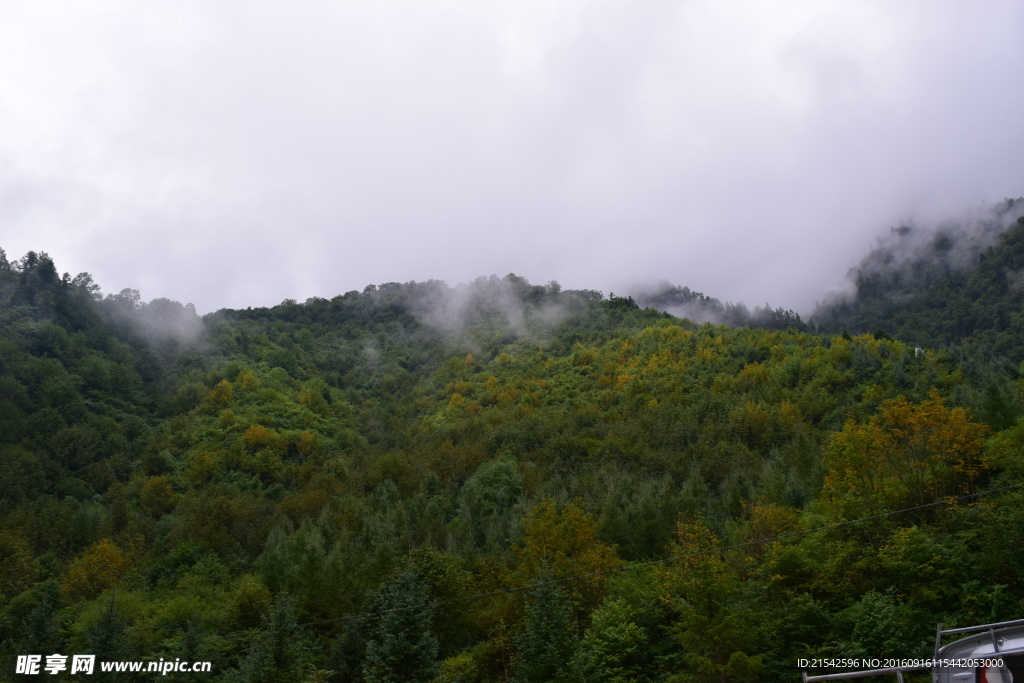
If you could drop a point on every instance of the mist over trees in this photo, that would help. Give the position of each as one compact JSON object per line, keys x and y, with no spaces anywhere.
{"x":509,"y":481}
{"x":682,"y":302}
{"x":956,"y":285}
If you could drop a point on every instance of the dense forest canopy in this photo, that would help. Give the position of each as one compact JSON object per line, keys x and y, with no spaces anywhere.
{"x":508,"y":481}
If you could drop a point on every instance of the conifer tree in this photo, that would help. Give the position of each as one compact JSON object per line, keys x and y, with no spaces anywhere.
{"x":547,"y":642}
{"x":108,"y":638}
{"x":403,"y":646}
{"x":281,"y":653}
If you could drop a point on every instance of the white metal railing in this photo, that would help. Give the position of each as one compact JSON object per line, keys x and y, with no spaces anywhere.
{"x":899,"y":671}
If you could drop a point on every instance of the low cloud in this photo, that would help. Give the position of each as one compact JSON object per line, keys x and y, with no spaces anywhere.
{"x":236,"y":154}
{"x":911,"y":254}
{"x":508,"y":308}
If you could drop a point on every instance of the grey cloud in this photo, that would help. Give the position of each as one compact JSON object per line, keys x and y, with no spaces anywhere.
{"x":238,"y":154}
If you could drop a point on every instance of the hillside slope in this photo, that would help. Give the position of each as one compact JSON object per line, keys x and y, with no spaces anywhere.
{"x":490,"y":482}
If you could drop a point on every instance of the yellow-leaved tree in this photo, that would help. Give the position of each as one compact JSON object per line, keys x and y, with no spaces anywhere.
{"x":563,"y":543}
{"x":97,"y":569}
{"x":905,"y":455}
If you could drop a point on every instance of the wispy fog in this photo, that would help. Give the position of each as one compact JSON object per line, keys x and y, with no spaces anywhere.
{"x":166,"y":319}
{"x":235,"y":154}
{"x":513,"y":302}
{"x":161,"y":320}
{"x":915,"y":251}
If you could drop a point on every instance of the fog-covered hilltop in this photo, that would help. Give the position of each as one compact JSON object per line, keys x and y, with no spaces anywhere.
{"x":961,"y":283}
{"x":683,"y":302}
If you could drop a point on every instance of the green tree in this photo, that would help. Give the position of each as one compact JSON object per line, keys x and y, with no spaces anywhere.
{"x":487,"y":499}
{"x":402,"y":646}
{"x":546,"y":644}
{"x":282,"y":652}
{"x":108,"y":637}
{"x":305,"y":564}
{"x":35,"y":623}
{"x":715,"y":626}
{"x":880,"y":623}
{"x":612,"y":649}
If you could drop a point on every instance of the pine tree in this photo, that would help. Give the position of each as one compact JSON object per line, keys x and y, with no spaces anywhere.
{"x":403,"y":646}
{"x":281,"y":653}
{"x":108,"y":639}
{"x":544,"y":648}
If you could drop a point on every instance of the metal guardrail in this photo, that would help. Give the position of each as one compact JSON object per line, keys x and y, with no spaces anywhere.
{"x":899,"y":671}
{"x":983,"y":627}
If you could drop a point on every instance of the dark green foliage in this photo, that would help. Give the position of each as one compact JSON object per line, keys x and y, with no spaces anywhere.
{"x":305,"y":564}
{"x":961,"y":288}
{"x":402,"y":646}
{"x":367,"y":487}
{"x":31,"y":621}
{"x":191,"y":645}
{"x":281,"y":652}
{"x":878,"y":622}
{"x":487,"y":503}
{"x":547,"y":642}
{"x":107,"y":637}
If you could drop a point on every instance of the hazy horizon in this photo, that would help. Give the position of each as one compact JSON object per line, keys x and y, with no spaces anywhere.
{"x":239,"y":154}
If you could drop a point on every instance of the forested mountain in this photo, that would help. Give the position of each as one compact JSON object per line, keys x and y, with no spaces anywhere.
{"x":958,"y":285}
{"x":497,"y":481}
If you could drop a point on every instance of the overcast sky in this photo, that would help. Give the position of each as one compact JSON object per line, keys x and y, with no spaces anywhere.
{"x":236,"y":153}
